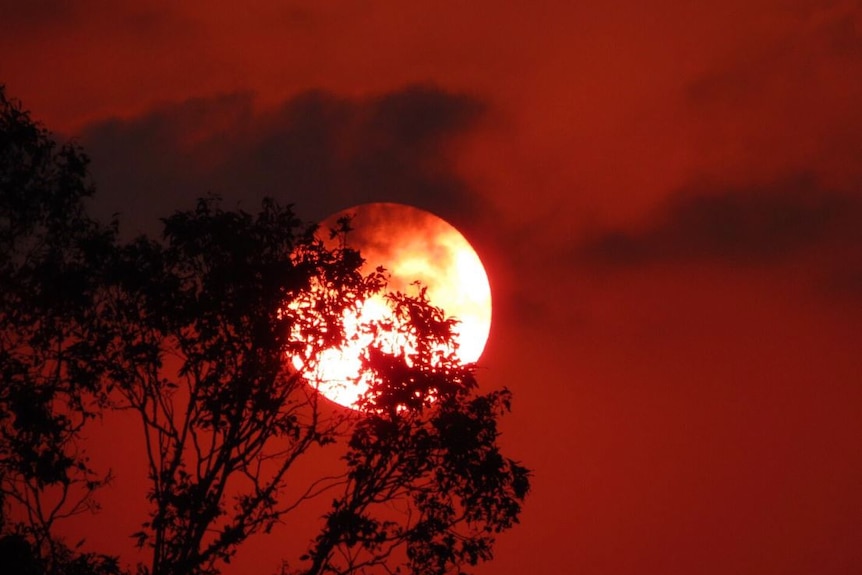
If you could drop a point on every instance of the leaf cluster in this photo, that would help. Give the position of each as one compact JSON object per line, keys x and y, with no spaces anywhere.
{"x":427,"y":488}
{"x":50,"y":339}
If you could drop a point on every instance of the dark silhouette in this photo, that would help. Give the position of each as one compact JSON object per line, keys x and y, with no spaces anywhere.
{"x":17,"y":556}
{"x":50,"y":342}
{"x":193,"y":333}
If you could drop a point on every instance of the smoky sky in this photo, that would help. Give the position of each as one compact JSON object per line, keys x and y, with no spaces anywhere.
{"x":317,"y":150}
{"x":795,"y":223}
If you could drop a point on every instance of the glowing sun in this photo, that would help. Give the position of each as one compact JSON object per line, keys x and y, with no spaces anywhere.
{"x":413,"y":246}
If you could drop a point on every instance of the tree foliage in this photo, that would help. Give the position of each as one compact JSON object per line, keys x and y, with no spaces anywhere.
{"x":50,"y":345}
{"x":193,"y":334}
{"x":203,"y":360}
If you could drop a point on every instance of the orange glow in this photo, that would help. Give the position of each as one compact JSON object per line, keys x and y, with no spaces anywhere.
{"x":413,"y":246}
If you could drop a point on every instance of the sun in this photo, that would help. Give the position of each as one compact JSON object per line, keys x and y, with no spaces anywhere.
{"x":415,"y":247}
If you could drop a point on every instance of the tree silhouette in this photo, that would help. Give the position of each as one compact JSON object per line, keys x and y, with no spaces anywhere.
{"x":193,"y":333}
{"x":50,"y":345}
{"x":202,"y":359}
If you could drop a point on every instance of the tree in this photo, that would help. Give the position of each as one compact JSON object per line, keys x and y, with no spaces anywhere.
{"x":49,"y":339}
{"x":202,"y":360}
{"x":193,"y":333}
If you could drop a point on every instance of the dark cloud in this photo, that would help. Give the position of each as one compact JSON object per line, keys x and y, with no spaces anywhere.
{"x":794,"y":225}
{"x":24,"y":18}
{"x":784,"y":103}
{"x":35,"y":11}
{"x":828,"y":36}
{"x":28,"y":18}
{"x":317,"y":150}
{"x":760,"y":225}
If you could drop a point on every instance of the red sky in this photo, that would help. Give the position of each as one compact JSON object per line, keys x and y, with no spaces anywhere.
{"x":668,"y":196}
